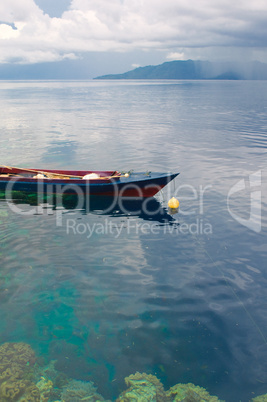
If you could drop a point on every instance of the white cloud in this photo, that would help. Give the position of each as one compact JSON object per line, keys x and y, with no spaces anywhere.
{"x":125,"y":25}
{"x":175,"y":56}
{"x":7,"y":32}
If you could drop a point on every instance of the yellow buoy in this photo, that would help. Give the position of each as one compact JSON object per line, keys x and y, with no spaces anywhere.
{"x":126,"y":175}
{"x":173,"y":203}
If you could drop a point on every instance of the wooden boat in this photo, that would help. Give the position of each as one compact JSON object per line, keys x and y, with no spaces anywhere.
{"x":106,"y":183}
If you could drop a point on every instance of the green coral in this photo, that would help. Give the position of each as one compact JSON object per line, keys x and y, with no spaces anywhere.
{"x":20,"y":390}
{"x":260,"y":398}
{"x":12,"y":372}
{"x":190,"y":393}
{"x":11,"y":390}
{"x":31,"y":394}
{"x":77,"y":391}
{"x":16,"y":360}
{"x":45,"y":387}
{"x":16,"y":355}
{"x":143,"y":388}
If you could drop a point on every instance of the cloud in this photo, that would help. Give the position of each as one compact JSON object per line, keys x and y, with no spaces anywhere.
{"x":175,"y":56}
{"x":29,"y":35}
{"x":7,"y":32}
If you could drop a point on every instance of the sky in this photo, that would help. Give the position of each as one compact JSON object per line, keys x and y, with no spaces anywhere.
{"x":96,"y":37}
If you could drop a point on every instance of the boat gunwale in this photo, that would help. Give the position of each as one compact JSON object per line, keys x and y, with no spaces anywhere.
{"x":105,"y":176}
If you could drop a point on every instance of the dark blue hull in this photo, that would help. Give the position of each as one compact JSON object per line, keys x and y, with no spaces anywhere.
{"x":139,"y":185}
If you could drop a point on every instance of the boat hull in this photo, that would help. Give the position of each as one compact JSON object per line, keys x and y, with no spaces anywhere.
{"x":137,"y":185}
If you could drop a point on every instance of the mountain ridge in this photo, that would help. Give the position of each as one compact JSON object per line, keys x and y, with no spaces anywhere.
{"x":190,"y":69}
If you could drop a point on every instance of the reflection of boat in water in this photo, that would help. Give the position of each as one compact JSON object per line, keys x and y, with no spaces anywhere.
{"x":104,"y":183}
{"x":144,"y":208}
{"x":147,"y":209}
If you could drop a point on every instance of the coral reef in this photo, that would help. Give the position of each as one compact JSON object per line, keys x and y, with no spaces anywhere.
{"x":31,"y":394}
{"x":47,"y":374}
{"x":260,"y":398}
{"x":20,"y":390}
{"x":24,"y":380}
{"x":45,"y":387}
{"x":143,"y":388}
{"x":16,"y":361}
{"x":190,"y":393}
{"x":77,"y":391}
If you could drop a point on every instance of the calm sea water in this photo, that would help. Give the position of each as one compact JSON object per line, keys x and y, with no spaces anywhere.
{"x":107,"y":293}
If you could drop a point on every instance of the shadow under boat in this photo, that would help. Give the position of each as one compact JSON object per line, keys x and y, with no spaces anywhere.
{"x":143,"y":208}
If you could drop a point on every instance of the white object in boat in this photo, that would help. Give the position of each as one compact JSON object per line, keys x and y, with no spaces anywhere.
{"x":91,"y":176}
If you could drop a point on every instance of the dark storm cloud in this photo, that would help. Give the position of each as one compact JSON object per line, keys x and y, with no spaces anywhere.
{"x":47,"y":31}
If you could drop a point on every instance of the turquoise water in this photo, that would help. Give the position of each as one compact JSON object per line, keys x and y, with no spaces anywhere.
{"x":106,"y":292}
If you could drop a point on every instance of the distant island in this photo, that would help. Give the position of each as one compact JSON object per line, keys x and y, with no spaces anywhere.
{"x":195,"y":70}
